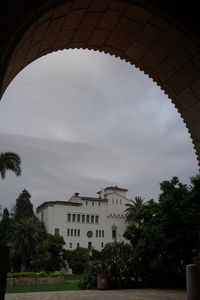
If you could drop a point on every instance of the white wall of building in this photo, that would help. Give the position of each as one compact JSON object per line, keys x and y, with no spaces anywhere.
{"x":95,"y":218}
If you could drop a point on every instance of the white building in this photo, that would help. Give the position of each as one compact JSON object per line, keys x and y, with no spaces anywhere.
{"x":86,"y":221}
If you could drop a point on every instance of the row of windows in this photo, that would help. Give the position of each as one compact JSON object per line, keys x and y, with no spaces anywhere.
{"x":89,"y":245}
{"x":79,"y":218}
{"x":117,"y":201}
{"x":73,"y":232}
{"x":76,"y":232}
{"x":93,"y":203}
{"x":100,"y":233}
{"x":116,"y":215}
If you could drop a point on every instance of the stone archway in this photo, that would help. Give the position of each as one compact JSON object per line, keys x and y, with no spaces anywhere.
{"x":145,"y":35}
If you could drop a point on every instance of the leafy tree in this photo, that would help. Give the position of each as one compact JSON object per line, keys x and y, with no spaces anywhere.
{"x":9,"y":161}
{"x":170,"y":233}
{"x":50,"y":254}
{"x":116,"y":262}
{"x":25,"y":235}
{"x":118,"y":258}
{"x":77,"y":259}
{"x":23,"y":207}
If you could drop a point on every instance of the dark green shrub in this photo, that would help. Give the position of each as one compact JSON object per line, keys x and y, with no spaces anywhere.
{"x":77,"y":259}
{"x":89,"y":278}
{"x":116,"y":261}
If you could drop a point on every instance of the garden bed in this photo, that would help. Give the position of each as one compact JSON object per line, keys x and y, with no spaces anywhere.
{"x":35,"y":280}
{"x":31,"y":278}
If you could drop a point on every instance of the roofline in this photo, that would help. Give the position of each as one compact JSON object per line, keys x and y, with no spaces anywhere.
{"x":113,"y":188}
{"x":94,"y":199}
{"x":52,"y":203}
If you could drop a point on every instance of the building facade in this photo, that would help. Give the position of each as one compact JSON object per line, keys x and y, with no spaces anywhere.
{"x":87,"y":222}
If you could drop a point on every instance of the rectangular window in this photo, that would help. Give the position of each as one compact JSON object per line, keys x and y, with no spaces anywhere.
{"x":57,"y":231}
{"x":101,"y":245}
{"x":92,"y":219}
{"x":78,"y":218}
{"x":74,"y":218}
{"x":78,"y":245}
{"x":88,"y":218}
{"x":99,"y":203}
{"x":86,"y":203}
{"x":74,"y":232}
{"x":99,"y":233}
{"x":70,"y":245}
{"x":89,"y":245}
{"x":92,"y":203}
{"x":78,"y":232}
{"x":114,"y":233}
{"x":102,"y":233}
{"x":96,"y":233}
{"x":83,"y":218}
{"x":69,"y":217}
{"x":68,"y":232}
{"x":120,"y":201}
{"x":116,"y":201}
{"x":71,"y":232}
{"x":96,"y":219}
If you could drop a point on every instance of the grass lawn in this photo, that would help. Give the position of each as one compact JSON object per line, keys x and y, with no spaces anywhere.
{"x":43,"y":288}
{"x":73,"y":277}
{"x":69,"y":286}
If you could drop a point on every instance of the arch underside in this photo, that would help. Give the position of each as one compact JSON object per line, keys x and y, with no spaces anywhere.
{"x":165,"y":53}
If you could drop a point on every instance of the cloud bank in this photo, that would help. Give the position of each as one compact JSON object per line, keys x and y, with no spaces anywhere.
{"x":82,"y":120}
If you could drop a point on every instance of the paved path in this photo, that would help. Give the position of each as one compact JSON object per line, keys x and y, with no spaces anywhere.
{"x":145,"y":294}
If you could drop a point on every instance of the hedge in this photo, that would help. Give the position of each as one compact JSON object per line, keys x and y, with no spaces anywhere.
{"x":35,"y":274}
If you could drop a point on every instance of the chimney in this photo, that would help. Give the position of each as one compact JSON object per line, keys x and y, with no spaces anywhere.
{"x":76,"y":194}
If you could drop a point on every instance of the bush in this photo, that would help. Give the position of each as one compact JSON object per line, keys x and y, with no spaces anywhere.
{"x":89,"y":278}
{"x":116,"y":261}
{"x":55,"y":273}
{"x":35,"y":274}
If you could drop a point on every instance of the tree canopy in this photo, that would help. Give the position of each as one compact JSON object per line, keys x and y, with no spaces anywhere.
{"x":23,"y":207}
{"x":31,"y":248}
{"x":169,"y":237}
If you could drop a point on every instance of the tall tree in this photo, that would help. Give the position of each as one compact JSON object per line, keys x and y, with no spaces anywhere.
{"x":9,"y":161}
{"x":23,"y":207}
{"x":5,"y":227}
{"x":50,"y":254}
{"x":26,"y":234}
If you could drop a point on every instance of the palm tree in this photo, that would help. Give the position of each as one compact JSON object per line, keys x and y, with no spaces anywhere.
{"x":25,"y":236}
{"x":9,"y":161}
{"x":131,"y":211}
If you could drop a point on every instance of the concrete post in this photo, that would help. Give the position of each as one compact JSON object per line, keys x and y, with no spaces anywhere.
{"x":4,"y":261}
{"x":193,"y":282}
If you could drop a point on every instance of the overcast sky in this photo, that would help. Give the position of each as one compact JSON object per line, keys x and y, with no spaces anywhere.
{"x":82,"y":120}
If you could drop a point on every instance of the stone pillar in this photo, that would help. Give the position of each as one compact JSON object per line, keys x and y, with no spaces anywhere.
{"x":4,"y":261}
{"x":193,"y":282}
